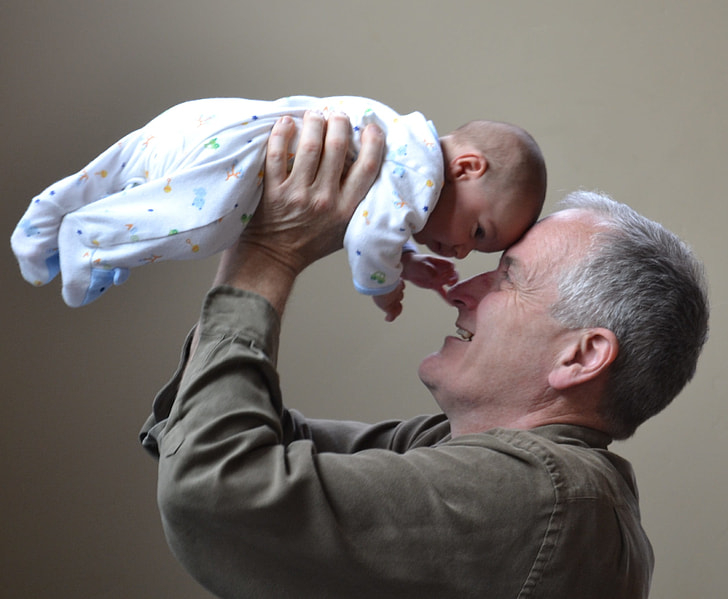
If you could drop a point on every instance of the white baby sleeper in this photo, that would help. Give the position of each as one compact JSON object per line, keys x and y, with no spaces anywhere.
{"x":185,"y":185}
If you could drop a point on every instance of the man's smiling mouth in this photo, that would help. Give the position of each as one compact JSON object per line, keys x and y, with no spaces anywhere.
{"x":464,"y":334}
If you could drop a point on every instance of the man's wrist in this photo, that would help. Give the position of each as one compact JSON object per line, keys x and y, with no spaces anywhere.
{"x":255,"y":268}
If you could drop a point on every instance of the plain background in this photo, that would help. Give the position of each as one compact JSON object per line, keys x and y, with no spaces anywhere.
{"x":624,"y":97}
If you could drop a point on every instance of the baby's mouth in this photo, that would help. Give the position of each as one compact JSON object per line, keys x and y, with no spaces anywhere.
{"x":442,"y":250}
{"x":464,"y":334}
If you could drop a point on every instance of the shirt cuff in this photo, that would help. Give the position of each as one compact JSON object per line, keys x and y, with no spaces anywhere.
{"x":231,"y":311}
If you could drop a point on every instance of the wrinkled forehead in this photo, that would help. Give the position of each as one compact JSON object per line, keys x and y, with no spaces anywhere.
{"x":574,"y":227}
{"x":557,"y":240}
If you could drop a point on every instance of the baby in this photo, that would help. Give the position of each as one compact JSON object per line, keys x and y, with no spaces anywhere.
{"x":186,"y":184}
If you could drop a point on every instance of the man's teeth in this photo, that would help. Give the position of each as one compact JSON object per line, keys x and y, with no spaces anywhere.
{"x":464,"y":334}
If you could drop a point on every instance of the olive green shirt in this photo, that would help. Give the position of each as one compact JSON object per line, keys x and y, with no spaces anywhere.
{"x":257,"y":501}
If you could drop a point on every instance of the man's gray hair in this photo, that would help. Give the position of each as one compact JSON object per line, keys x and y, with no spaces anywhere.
{"x":645,"y":285}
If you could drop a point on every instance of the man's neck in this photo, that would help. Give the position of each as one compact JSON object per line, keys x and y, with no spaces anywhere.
{"x":478,"y":423}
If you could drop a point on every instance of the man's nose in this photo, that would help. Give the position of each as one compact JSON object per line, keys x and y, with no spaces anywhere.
{"x":468,"y":293}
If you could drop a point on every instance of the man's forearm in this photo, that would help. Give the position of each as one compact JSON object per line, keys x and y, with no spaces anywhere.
{"x":252,"y":268}
{"x":249,"y":267}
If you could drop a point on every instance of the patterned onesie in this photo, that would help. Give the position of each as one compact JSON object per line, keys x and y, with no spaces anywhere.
{"x":185,"y":185}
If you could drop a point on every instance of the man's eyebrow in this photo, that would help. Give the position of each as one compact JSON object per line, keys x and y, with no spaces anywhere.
{"x":509,"y":261}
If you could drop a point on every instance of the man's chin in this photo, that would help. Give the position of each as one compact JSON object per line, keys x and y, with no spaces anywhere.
{"x":428,"y":369}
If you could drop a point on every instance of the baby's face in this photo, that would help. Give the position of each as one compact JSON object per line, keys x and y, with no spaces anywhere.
{"x":466,"y":219}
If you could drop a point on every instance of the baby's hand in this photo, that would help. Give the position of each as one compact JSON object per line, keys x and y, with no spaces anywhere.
{"x":391,"y":302}
{"x":429,"y":272}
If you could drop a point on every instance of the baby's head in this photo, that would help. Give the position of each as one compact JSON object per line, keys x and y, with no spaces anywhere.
{"x":495,"y":184}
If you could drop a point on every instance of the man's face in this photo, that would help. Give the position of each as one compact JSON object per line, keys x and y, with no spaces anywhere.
{"x":507,"y":340}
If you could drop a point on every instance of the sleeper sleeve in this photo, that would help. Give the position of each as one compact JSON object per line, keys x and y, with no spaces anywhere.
{"x":398,"y":204}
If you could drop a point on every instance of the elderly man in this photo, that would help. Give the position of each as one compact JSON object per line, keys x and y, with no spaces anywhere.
{"x":591,"y":324}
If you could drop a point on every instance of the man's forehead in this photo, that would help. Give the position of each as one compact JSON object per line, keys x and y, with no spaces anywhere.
{"x":548,"y":242}
{"x":574,"y":217}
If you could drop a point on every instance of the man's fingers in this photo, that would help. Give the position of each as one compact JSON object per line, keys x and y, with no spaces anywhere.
{"x":276,"y":162}
{"x":333,"y":159}
{"x":310,"y":146}
{"x":366,"y":167}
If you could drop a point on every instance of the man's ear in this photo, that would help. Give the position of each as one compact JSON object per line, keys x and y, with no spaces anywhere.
{"x":469,"y":165}
{"x":587,"y":356}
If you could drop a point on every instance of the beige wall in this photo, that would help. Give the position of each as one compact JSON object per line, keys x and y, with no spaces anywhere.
{"x":626,"y":97}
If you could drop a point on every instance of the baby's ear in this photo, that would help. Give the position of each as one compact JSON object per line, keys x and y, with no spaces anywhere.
{"x":469,"y":165}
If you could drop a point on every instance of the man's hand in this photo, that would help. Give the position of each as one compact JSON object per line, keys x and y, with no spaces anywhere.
{"x":303,"y":214}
